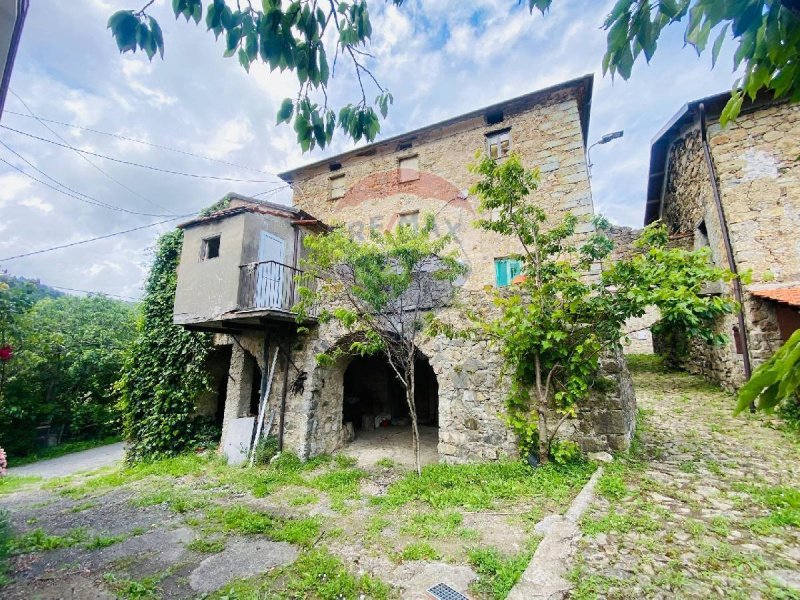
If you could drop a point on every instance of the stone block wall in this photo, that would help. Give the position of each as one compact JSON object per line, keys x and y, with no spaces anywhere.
{"x":759,"y":179}
{"x":607,"y":419}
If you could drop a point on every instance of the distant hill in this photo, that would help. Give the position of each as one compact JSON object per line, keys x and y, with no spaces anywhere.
{"x":33,"y":288}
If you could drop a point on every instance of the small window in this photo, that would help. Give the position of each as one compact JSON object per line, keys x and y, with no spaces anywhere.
{"x":409,"y":168}
{"x":701,"y":235}
{"x":505,"y":270}
{"x":498,"y":144}
{"x":338,"y":188}
{"x":210,"y":248}
{"x":409,"y":219}
{"x":375,"y":223}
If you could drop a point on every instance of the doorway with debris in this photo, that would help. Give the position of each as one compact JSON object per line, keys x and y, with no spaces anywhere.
{"x":375,"y":415}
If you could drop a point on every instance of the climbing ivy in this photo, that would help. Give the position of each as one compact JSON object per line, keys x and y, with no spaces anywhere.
{"x":164,"y":368}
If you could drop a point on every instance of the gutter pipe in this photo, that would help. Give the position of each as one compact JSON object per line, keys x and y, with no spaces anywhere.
{"x":726,"y":238}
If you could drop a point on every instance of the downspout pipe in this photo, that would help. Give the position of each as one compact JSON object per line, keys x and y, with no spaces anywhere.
{"x":726,"y":238}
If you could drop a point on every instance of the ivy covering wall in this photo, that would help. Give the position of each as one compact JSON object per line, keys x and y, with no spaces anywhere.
{"x":165,"y":369}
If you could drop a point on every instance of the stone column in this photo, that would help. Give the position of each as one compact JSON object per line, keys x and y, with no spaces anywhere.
{"x":240,"y":384}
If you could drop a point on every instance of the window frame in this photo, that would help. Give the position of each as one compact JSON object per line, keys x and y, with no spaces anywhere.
{"x":334,"y":191}
{"x":506,"y":268}
{"x":205,"y":246}
{"x":406,"y":214}
{"x":497,"y":138}
{"x":400,"y":160}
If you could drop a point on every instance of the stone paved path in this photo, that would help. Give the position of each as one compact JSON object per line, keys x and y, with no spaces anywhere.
{"x":76,"y":462}
{"x":708,"y":505}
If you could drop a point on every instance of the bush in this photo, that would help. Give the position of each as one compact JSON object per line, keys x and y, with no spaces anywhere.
{"x":267,"y":449}
{"x":564,"y":452}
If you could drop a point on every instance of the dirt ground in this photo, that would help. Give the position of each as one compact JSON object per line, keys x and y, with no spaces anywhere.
{"x":194,"y":528}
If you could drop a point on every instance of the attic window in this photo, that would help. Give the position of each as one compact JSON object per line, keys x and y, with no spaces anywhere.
{"x":408,"y":168}
{"x":337,"y":187}
{"x":494,"y":117}
{"x":404,"y":145}
{"x":335,"y":166}
{"x":210,"y":248}
{"x":498,"y":144}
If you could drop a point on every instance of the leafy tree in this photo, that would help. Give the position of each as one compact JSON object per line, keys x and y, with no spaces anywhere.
{"x":557,"y":319}
{"x":165,"y":367}
{"x":776,"y":381}
{"x":379,"y":291}
{"x":300,"y":35}
{"x":67,"y":355}
{"x":293,"y":35}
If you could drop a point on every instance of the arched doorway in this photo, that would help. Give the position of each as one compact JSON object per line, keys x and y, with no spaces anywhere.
{"x":374,"y":403}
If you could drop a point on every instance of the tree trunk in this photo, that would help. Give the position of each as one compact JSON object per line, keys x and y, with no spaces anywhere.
{"x":412,"y":411}
{"x":544,"y":445}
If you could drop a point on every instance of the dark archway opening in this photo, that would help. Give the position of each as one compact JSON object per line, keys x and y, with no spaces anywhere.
{"x":374,"y":396}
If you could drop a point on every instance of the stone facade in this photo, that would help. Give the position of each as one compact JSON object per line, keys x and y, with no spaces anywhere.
{"x":759,"y":181}
{"x":373,"y":188}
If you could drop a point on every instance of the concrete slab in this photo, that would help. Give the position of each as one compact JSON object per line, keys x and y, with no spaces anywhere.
{"x":241,"y":559}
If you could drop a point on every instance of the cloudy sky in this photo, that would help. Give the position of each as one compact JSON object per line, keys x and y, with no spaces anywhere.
{"x":440,"y":58}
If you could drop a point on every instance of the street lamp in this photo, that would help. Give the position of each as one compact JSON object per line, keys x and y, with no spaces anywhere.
{"x":609,"y":137}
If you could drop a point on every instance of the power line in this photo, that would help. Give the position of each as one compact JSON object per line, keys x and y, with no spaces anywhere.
{"x":71,"y":193}
{"x":108,"y":175}
{"x":59,"y":287}
{"x":134,"y":164}
{"x":145,"y":143}
{"x":94,"y":239}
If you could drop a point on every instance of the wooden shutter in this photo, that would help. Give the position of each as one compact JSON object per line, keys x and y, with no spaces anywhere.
{"x":501,"y":272}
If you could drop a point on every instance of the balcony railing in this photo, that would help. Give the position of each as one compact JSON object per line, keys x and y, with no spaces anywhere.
{"x":270,"y":285}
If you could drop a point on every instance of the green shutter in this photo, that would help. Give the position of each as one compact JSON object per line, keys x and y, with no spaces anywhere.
{"x":501,"y":272}
{"x":514,"y":268}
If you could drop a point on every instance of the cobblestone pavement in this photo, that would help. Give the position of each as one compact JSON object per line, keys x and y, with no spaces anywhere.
{"x":706,"y":504}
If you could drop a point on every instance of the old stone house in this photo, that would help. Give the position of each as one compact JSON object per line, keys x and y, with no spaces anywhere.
{"x":736,"y":190}
{"x":235,"y":278}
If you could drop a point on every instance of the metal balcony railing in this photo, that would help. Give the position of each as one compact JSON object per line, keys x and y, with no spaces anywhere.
{"x":270,"y":285}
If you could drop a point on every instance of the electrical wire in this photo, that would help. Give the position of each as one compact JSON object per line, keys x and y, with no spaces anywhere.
{"x":151,"y":144}
{"x":94,"y":166}
{"x":94,"y":239}
{"x":134,"y":164}
{"x":59,"y":287}
{"x":71,"y":193}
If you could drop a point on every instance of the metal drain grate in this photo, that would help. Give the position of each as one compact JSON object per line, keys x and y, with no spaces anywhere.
{"x":442,"y":591}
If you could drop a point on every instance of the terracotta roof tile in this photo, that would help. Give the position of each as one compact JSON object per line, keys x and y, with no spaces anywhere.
{"x":787,"y":295}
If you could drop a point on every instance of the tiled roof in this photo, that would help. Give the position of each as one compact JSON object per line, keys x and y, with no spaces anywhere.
{"x":787,"y":295}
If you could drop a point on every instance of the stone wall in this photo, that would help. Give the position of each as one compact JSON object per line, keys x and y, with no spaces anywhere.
{"x":607,"y":419}
{"x":759,"y":179}
{"x":547,"y":135}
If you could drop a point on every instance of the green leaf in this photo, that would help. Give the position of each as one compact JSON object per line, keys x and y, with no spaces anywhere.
{"x":124,"y":26}
{"x":158,"y":36}
{"x":718,"y":45}
{"x":285,"y":111}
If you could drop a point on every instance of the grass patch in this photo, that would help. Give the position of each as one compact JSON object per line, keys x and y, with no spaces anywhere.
{"x":419,"y":551}
{"x":40,"y":541}
{"x":206,"y":545}
{"x":178,"y":500}
{"x":315,"y":574}
{"x":134,"y":589}
{"x":621,"y":523}
{"x":481,"y":486}
{"x":61,"y":450}
{"x":433,"y":525}
{"x":14,"y":483}
{"x":783,"y":502}
{"x":386,"y":463}
{"x":612,"y":485}
{"x":240,"y":519}
{"x":6,"y":546}
{"x":498,"y":572}
{"x":304,"y":499}
{"x":104,"y":541}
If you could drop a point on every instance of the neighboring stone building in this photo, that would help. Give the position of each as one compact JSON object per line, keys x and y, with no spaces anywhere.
{"x":758,"y":180}
{"x":460,"y":387}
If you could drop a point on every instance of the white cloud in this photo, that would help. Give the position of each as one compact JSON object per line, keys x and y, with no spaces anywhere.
{"x":38,"y":204}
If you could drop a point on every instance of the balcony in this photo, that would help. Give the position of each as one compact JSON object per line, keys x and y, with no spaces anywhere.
{"x":271,"y":287}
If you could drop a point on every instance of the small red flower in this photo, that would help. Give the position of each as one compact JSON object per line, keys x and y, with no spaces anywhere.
{"x":6,"y":353}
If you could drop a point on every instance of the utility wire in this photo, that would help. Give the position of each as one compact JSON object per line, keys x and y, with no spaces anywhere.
{"x":58,"y":287}
{"x":94,"y":239}
{"x":134,"y":164}
{"x":94,"y":166}
{"x":151,"y":144}
{"x":70,"y":192}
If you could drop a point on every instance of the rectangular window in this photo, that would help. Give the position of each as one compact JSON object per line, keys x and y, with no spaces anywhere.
{"x":505,"y":270}
{"x":498,"y":144}
{"x":409,"y":219}
{"x":338,"y":188}
{"x":409,"y":168}
{"x":210,"y":248}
